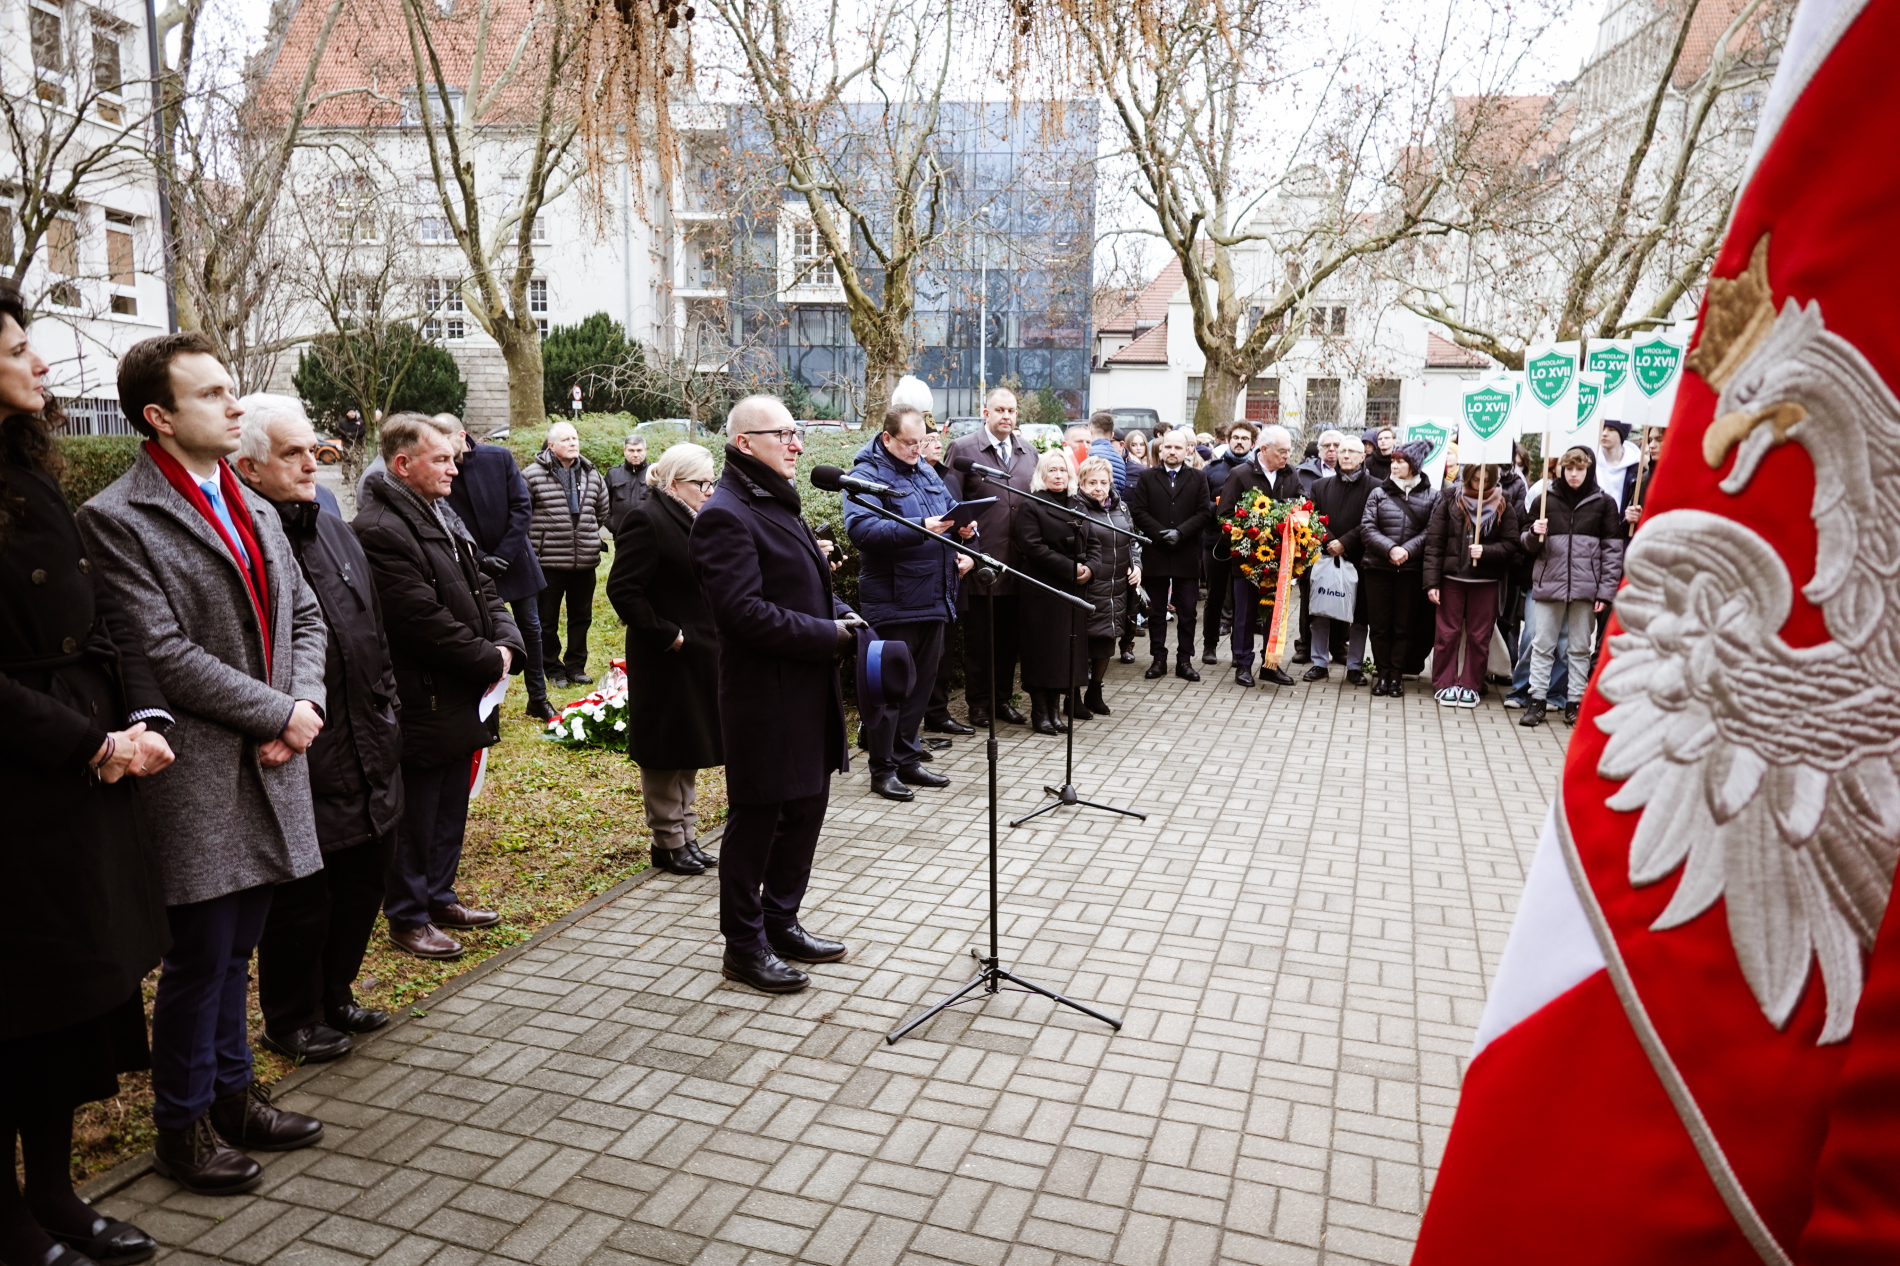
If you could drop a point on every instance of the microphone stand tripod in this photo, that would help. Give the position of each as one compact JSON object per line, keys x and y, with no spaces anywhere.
{"x":1066,"y":796}
{"x":990,"y":971}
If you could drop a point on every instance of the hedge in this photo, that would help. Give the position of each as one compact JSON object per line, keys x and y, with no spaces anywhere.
{"x":94,"y":461}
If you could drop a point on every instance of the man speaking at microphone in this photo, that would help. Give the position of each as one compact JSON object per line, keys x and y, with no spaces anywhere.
{"x":907,"y":586}
{"x":781,"y":630}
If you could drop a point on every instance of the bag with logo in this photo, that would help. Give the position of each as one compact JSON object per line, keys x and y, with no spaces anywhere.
{"x":1335,"y":587}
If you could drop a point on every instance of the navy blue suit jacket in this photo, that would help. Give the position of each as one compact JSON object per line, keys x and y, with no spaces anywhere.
{"x":492,"y":499}
{"x":781,"y":713}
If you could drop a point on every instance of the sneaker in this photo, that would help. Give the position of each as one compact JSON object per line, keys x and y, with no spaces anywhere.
{"x":1467,"y":698}
{"x":1515,"y":701}
{"x":1448,"y":697}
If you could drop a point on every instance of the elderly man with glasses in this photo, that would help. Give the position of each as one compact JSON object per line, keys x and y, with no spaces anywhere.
{"x":781,"y":713}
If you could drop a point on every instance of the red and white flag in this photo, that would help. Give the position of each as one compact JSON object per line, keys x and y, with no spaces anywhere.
{"x":1691,"y":1052}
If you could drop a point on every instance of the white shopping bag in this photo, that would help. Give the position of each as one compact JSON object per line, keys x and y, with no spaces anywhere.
{"x":1335,"y":587}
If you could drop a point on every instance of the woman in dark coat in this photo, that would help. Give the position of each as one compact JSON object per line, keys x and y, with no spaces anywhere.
{"x":1113,"y":583}
{"x":79,"y":711}
{"x":1471,"y":546}
{"x":1057,"y":550}
{"x":672,"y":654}
{"x":1392,"y":567}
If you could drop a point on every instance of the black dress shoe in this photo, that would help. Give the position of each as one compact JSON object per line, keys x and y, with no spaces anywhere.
{"x":1570,"y":713}
{"x":1355,"y":677}
{"x":1008,"y":713}
{"x":925,"y":756}
{"x":110,"y":1242}
{"x":677,"y":861}
{"x":763,"y":971}
{"x":918,"y":776}
{"x":700,"y":855}
{"x":202,"y":1163}
{"x":579,"y":679}
{"x":1243,"y":676}
{"x":1209,"y":657}
{"x":317,"y":1044}
{"x":891,"y":787}
{"x":556,"y":679}
{"x":1316,"y":673}
{"x":795,"y":945}
{"x":934,"y":745}
{"x":1157,"y":669}
{"x":1277,"y":676}
{"x":979,"y":720}
{"x":248,"y":1119}
{"x":540,"y":709}
{"x":1300,"y":656}
{"x":949,"y":725}
{"x":351,"y":1018}
{"x":1184,"y":669}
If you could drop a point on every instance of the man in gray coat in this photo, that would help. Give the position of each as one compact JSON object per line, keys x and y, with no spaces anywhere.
{"x":208,"y":584}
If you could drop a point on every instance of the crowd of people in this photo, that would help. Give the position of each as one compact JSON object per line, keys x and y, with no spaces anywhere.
{"x":239,"y":724}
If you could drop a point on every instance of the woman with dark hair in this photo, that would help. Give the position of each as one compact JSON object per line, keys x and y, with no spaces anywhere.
{"x":79,"y":711}
{"x":1057,"y":550}
{"x":1470,"y":547}
{"x":1392,"y":530}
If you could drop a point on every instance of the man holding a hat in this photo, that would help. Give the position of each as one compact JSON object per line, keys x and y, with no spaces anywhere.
{"x":908,"y":591}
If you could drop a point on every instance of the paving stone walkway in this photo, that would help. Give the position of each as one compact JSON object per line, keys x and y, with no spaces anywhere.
{"x":1298,"y":939}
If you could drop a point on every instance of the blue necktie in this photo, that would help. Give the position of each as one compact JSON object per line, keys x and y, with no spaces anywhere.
{"x":218,"y":508}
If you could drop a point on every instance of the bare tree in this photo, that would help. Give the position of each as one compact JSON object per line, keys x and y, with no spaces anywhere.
{"x":1604,"y":205}
{"x":497,"y":92}
{"x":1269,"y":184}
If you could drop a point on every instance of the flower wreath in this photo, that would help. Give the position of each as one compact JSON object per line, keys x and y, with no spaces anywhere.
{"x":1254,"y":531}
{"x":599,"y":719}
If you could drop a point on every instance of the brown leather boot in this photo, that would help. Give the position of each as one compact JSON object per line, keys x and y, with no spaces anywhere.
{"x":199,"y":1161}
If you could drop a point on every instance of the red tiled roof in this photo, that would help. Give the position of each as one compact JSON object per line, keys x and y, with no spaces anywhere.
{"x":1442,"y":353}
{"x":1150,"y":349}
{"x":1148,"y":307}
{"x":1517,"y":131}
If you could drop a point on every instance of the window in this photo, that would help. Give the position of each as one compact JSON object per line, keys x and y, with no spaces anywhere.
{"x":6,"y":236}
{"x":432,"y":329}
{"x":62,"y":246}
{"x":432,"y":229}
{"x":121,"y":264}
{"x":538,"y":297}
{"x":47,"y":27}
{"x":542,"y":326}
{"x":1322,"y":402}
{"x":1339,"y":320}
{"x":1327,"y":320}
{"x":1382,"y":402}
{"x":355,"y":197}
{"x":1193,"y":400}
{"x":540,"y":228}
{"x":810,"y":260}
{"x":1263,"y":401}
{"x":457,"y":328}
{"x":412,"y":108}
{"x":106,"y":73}
{"x":442,"y":296}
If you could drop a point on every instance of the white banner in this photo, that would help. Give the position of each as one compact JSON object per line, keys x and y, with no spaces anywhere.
{"x":1550,"y":378}
{"x":1611,"y":358}
{"x":1587,"y":429}
{"x":1655,"y":374}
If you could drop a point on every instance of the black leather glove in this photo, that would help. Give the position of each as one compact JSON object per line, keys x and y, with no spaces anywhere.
{"x":1170,"y":536}
{"x":493,"y":565}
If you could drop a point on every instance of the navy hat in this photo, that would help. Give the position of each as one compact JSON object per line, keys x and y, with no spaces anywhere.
{"x":886,"y":675}
{"x":1622,"y":429}
{"x":1370,"y":435}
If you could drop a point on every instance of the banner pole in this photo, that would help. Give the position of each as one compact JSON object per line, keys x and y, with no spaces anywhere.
{"x":1477,"y":520}
{"x":1543,"y":505}
{"x":1642,"y":469}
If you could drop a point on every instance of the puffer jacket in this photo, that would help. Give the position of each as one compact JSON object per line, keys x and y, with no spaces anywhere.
{"x":904,"y":578}
{"x":1395,"y":518}
{"x":562,"y":540}
{"x":1448,"y":541}
{"x":1108,"y":582}
{"x":1581,"y":560}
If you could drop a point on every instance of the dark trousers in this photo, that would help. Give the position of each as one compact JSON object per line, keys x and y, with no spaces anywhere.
{"x":576,"y":586}
{"x":1392,"y":602}
{"x":429,"y":842}
{"x":528,"y":620}
{"x":938,"y":710}
{"x":1185,"y":593}
{"x":316,"y":935}
{"x":1304,"y":640}
{"x":891,"y":738}
{"x":199,"y":1050}
{"x":976,"y":650}
{"x":764,"y":866}
{"x":1467,"y":617}
{"x":1219,"y":594}
{"x":1250,"y":620}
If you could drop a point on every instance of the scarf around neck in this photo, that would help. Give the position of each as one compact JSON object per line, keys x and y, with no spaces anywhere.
{"x":256,"y":579}
{"x":763,"y":477}
{"x":1486,"y":515}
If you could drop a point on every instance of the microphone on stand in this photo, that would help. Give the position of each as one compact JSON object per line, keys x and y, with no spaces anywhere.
{"x":831,"y":479}
{"x":969,"y":464}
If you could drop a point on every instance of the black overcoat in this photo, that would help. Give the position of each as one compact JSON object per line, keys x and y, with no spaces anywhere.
{"x":355,"y":774}
{"x":446,"y":627}
{"x":86,"y":914}
{"x":1184,"y":504}
{"x":781,"y":712}
{"x":492,"y":500}
{"x":626,"y":488}
{"x":1048,"y":544}
{"x":672,"y":695}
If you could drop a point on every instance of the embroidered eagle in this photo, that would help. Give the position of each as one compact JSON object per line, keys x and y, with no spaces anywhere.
{"x":1767,"y":771}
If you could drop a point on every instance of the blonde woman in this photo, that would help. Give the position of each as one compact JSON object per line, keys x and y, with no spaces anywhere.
{"x":672,"y":654}
{"x":1061,"y":551}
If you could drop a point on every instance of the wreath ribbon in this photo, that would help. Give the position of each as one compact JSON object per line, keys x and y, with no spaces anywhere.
{"x":1276,"y":630}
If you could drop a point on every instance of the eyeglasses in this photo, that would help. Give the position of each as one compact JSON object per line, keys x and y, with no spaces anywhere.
{"x":785,"y":434}
{"x":704,"y":485}
{"x":909,"y":446}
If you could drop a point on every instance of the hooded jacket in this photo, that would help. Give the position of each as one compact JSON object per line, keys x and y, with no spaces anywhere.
{"x":1581,"y":560}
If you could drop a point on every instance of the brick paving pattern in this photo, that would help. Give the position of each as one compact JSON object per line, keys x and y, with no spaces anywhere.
{"x":1298,"y":939}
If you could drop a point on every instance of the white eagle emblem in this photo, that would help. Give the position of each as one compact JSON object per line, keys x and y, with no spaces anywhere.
{"x":1770,"y":769}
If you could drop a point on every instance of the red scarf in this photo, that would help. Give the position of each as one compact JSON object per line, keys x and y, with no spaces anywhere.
{"x":255,"y":580}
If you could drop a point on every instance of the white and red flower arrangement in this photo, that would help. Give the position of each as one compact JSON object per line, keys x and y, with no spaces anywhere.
{"x":598,"y":719}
